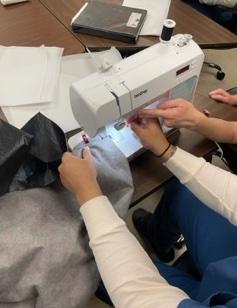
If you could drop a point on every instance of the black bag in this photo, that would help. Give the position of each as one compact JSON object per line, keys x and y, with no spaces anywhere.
{"x":40,"y":167}
{"x":14,"y":145}
{"x":30,"y":157}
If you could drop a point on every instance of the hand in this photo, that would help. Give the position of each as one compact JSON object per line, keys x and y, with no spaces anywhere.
{"x":176,"y":113}
{"x":79,"y":176}
{"x":222,"y":96}
{"x":151,"y":135}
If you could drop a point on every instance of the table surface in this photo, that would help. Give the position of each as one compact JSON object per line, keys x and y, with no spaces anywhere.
{"x":30,"y":24}
{"x":47,"y":22}
{"x":204,"y":30}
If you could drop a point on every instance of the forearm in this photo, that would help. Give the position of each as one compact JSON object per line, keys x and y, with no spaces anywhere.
{"x":226,"y":3}
{"x":128,"y":273}
{"x":215,"y":187}
{"x":217,"y":129}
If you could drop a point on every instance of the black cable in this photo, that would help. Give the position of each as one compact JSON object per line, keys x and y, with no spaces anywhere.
{"x":223,"y":160}
{"x":220,"y":75}
{"x":213,"y":65}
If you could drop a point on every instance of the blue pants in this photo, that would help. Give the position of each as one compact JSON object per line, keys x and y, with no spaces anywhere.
{"x":209,"y":237}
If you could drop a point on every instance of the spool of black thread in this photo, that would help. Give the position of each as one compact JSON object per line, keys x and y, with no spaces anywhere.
{"x":167,"y":31}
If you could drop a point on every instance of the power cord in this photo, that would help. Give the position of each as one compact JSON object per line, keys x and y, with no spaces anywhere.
{"x":220,"y":154}
{"x":220,"y":75}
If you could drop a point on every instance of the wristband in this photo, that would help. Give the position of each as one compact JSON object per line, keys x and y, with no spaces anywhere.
{"x":163,"y":153}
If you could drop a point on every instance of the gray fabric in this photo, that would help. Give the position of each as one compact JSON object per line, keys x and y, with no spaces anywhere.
{"x":114,"y":173}
{"x":45,"y":259}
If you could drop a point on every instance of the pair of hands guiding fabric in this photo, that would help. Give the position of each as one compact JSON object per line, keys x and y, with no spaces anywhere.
{"x":85,"y":186}
{"x":176,"y":113}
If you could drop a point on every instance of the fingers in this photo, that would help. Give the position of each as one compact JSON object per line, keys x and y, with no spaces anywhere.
{"x":66,"y":159}
{"x":66,"y":156}
{"x":165,"y":110}
{"x":217,"y":97}
{"x":218,"y":92}
{"x":170,"y":123}
{"x":134,"y":118}
{"x":136,"y":127}
{"x":223,"y":96}
{"x":172,"y":104}
{"x":147,"y":124}
{"x":154,"y":113}
{"x":87,"y":153}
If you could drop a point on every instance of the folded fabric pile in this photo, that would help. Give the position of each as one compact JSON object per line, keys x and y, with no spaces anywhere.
{"x":73,"y":68}
{"x":28,"y":75}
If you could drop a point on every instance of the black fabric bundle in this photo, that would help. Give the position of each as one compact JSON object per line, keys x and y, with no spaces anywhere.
{"x":30,"y":157}
{"x":14,"y":145}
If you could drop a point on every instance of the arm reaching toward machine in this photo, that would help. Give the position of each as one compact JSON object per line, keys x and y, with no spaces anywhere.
{"x":181,"y":113}
{"x":115,"y":249}
{"x":123,"y":264}
{"x":194,"y":172}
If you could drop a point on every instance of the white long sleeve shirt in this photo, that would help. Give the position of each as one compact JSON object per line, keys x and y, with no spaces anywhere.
{"x":129,"y":275}
{"x":227,"y":3}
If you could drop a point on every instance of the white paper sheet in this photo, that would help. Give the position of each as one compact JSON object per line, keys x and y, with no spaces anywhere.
{"x":28,"y":75}
{"x":73,"y":68}
{"x":8,"y":2}
{"x":60,"y":111}
{"x":157,"y":11}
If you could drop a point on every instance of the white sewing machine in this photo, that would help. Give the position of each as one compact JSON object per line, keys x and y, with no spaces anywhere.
{"x":144,"y":80}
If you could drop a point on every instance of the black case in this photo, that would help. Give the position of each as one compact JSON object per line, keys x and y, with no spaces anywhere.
{"x":110,"y":21}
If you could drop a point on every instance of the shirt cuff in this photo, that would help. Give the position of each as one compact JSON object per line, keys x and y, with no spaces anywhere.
{"x":184,"y":165}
